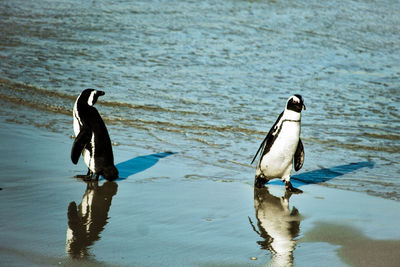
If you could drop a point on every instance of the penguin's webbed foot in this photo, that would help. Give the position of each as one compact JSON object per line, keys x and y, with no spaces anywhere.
{"x":291,"y":189}
{"x":86,"y":177}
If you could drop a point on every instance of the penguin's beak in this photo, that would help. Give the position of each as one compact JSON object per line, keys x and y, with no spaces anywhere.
{"x":100,"y":93}
{"x":304,"y":107}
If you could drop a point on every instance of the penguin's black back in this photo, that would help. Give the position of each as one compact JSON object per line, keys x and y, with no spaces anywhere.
{"x":93,"y":128}
{"x":103,"y":147}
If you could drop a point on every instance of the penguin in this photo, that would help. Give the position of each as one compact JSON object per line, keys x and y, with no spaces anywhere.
{"x":282,"y":146}
{"x":92,"y":139}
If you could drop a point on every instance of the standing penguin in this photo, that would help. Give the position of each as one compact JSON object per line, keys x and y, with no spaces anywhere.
{"x":92,"y":139}
{"x":282,"y":146}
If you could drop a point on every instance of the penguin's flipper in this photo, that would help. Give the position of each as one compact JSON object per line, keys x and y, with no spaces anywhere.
{"x":299,"y":156}
{"x":79,"y":144}
{"x":269,"y":139}
{"x":261,"y":146}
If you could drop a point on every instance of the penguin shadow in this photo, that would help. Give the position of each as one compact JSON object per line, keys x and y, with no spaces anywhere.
{"x":325,"y":174}
{"x":277,"y":225}
{"x":87,"y":221}
{"x":139,"y":164}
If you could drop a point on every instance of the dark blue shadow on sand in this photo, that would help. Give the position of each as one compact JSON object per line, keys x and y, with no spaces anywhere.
{"x":325,"y":174}
{"x":139,"y":164}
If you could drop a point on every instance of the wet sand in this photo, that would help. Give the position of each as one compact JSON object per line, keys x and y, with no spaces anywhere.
{"x":159,"y":215}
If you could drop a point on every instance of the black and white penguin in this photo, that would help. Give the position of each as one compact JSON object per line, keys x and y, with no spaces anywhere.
{"x":92,"y":139}
{"x":282,"y":146}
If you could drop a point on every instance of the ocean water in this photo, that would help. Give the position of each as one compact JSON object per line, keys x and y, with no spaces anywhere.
{"x":207,"y":79}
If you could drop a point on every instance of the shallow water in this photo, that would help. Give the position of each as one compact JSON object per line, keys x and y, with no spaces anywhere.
{"x":207,"y":79}
{"x":159,"y":217}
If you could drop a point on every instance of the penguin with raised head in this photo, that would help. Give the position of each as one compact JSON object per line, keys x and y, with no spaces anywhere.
{"x":92,"y":139}
{"x":282,"y":146}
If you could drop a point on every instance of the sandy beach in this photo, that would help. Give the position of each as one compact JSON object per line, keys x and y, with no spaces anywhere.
{"x":191,"y":90}
{"x":159,"y":216}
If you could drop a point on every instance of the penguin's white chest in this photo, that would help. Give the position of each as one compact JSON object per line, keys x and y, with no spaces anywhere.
{"x":278,"y":162}
{"x":88,"y":156}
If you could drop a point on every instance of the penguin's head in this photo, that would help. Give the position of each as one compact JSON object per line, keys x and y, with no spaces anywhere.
{"x":90,"y":96}
{"x":295,"y":103}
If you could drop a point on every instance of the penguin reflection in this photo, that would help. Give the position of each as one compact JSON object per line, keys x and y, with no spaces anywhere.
{"x":86,"y":221}
{"x":277,"y":225}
